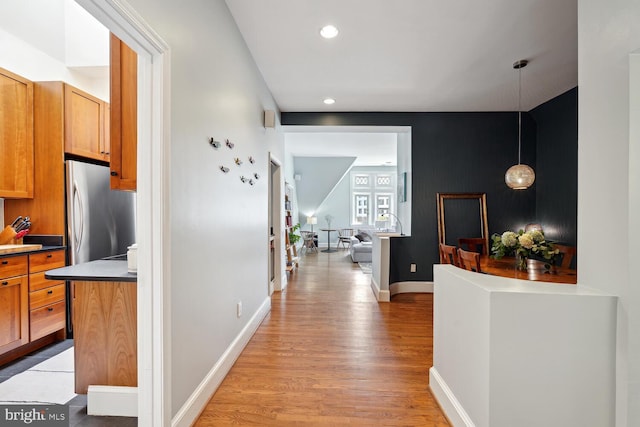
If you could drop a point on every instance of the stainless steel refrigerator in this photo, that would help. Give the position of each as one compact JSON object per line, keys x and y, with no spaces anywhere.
{"x":100,"y":221}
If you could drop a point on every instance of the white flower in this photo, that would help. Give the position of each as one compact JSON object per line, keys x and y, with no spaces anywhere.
{"x":536,"y":235}
{"x":526,"y":241}
{"x":509,"y":239}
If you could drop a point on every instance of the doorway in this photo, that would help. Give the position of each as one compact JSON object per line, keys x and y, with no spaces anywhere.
{"x":276,"y":274}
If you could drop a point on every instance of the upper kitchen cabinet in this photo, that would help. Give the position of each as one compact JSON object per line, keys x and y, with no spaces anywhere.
{"x":124,"y":115}
{"x":16,"y":136}
{"x":84,"y":122}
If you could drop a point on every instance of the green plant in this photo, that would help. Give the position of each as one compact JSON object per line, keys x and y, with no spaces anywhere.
{"x":293,"y":237}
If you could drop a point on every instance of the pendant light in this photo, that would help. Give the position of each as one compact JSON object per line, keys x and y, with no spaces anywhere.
{"x":520,"y":176}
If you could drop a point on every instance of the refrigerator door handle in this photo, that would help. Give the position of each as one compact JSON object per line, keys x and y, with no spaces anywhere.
{"x":78,"y":231}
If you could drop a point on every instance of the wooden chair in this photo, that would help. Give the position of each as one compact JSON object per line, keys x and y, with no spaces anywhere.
{"x":448,"y":254}
{"x":568,"y":252}
{"x":344,"y":236}
{"x":474,"y":244}
{"x":308,"y":241}
{"x":469,"y":260}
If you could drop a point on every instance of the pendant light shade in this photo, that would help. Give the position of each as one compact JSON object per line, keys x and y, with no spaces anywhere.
{"x":519,"y":177}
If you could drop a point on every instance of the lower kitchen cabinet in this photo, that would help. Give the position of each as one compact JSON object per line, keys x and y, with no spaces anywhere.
{"x":14,"y":308}
{"x":32,"y":308}
{"x":46,"y":297}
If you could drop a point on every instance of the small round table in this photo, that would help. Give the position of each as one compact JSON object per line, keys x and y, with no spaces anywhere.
{"x":329,"y":230}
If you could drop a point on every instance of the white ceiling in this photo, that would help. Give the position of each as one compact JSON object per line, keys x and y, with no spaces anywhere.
{"x":371,"y":149}
{"x":412,"y":55}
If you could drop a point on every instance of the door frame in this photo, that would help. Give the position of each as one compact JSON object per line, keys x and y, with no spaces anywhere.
{"x":276,"y":185}
{"x":153,"y":226}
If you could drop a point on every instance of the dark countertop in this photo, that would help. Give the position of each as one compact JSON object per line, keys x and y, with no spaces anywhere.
{"x":104,"y":270}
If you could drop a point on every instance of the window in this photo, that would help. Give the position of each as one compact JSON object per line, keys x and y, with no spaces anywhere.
{"x":372,"y":195}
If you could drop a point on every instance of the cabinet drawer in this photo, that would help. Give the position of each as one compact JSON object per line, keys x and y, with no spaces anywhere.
{"x":47,"y":319}
{"x":37,"y":282}
{"x":46,"y":296}
{"x":13,"y":266}
{"x":43,"y":261}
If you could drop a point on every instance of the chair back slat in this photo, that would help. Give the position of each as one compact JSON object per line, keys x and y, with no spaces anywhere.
{"x":474,"y":244}
{"x":448,"y":254}
{"x":469,"y":260}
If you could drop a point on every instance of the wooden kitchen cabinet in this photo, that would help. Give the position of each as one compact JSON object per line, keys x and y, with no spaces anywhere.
{"x":123,"y":121}
{"x":47,"y":208}
{"x":105,"y":334}
{"x":32,"y":308}
{"x":47,"y":309}
{"x":14,"y":308}
{"x":16,"y":136}
{"x":84,"y":122}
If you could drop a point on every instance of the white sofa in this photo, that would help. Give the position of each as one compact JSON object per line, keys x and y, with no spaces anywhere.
{"x":360,"y":251}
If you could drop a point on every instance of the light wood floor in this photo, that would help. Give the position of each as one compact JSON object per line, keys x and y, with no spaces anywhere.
{"x":329,"y":354}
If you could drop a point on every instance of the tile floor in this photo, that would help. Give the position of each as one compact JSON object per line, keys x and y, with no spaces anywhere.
{"x":21,"y":381}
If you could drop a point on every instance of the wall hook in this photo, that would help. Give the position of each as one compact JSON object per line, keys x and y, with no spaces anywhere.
{"x":224,"y":169}
{"x":251,"y":160}
{"x":237,"y":160}
{"x":256,"y":176}
{"x":243,"y":179}
{"x":214,"y":143}
{"x":229,"y":144}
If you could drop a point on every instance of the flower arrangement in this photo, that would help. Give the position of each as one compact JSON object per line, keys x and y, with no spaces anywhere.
{"x":522,"y":245}
{"x":328,"y":218}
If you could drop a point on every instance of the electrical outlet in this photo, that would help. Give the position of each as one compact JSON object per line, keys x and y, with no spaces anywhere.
{"x":239,"y":309}
{"x":413,"y":268}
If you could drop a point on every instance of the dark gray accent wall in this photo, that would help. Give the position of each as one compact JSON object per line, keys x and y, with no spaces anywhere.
{"x":451,"y":153}
{"x":557,"y":168}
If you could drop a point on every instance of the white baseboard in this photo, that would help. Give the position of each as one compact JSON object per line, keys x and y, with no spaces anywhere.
{"x":115,"y":401}
{"x":381,"y":296}
{"x":446,"y":399}
{"x":194,"y":405}
{"x":411,"y":287}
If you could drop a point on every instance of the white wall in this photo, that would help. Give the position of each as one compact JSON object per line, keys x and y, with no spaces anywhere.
{"x":219,"y":225}
{"x":37,"y":36}
{"x":607,"y":33}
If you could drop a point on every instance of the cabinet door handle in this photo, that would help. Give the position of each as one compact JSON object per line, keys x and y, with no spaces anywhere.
{"x":114,"y":173}
{"x":50,"y":309}
{"x":5,"y":283}
{"x":5,"y":262}
{"x":49,"y":255}
{"x":49,"y":292}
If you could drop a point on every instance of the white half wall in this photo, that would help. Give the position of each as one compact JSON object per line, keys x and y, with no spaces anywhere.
{"x":513,"y":352}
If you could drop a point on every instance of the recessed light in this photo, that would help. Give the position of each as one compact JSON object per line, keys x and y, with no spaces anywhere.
{"x":329,"y":101}
{"x":329,"y":31}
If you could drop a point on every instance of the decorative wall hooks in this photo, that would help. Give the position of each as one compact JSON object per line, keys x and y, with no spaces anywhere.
{"x":252,"y":178}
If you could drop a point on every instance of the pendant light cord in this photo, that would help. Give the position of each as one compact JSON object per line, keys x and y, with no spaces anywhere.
{"x":519,"y":111}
